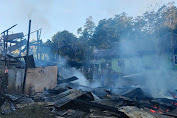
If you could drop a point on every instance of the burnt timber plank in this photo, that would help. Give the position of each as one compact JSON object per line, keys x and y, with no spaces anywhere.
{"x":102,"y":107}
{"x":134,"y":112}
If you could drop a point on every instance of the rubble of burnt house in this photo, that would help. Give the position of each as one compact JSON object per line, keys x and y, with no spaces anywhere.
{"x":18,"y":70}
{"x":31,"y":87}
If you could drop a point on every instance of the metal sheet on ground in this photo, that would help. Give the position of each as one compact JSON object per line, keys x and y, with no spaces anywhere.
{"x":67,"y":96}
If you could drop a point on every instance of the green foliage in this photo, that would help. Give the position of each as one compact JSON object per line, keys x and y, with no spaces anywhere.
{"x":63,"y":36}
{"x":151,"y":25}
{"x":89,"y":28}
{"x":67,"y":45}
{"x":111,"y":30}
{"x":64,"y":44}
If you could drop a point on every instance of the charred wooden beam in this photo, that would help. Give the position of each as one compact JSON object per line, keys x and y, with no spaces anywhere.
{"x":29,"y":61}
{"x":68,"y":79}
{"x":28,"y":37}
{"x":33,"y":32}
{"x":26,"y":67}
{"x":8,"y":29}
{"x":102,"y":107}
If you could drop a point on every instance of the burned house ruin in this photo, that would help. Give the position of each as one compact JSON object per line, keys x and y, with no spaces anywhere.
{"x":120,"y":67}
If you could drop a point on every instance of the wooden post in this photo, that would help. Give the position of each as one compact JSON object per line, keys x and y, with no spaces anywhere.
{"x":6,"y":39}
{"x":28,"y":37}
{"x":20,"y":47}
{"x":26,"y":67}
{"x":37,"y":45}
{"x":4,"y":43}
{"x":40,"y":49}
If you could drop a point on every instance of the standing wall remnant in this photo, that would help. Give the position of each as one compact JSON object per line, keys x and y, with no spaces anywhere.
{"x":36,"y":78}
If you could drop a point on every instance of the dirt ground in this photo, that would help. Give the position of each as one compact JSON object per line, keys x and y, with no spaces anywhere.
{"x":34,"y":111}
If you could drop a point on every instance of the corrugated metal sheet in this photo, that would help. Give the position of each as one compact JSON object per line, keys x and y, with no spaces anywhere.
{"x":67,"y":96}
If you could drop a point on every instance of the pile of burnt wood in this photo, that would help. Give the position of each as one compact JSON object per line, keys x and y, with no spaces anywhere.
{"x":70,"y":102}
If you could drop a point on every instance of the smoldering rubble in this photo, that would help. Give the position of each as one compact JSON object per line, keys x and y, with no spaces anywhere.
{"x":68,"y":93}
{"x":126,"y":81}
{"x":74,"y":96}
{"x":72,"y":100}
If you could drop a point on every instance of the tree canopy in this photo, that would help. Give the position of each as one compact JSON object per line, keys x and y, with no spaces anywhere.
{"x":152,"y":25}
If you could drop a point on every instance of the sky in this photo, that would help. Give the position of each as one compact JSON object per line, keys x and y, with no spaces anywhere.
{"x":58,"y":15}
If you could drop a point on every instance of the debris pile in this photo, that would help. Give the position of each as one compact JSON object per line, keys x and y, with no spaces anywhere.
{"x":98,"y":102}
{"x":42,"y":91}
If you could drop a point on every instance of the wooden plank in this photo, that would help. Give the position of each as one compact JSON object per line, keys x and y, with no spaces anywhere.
{"x":134,"y":112}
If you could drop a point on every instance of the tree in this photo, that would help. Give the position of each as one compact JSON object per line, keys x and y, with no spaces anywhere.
{"x":112,"y":30}
{"x":79,"y":30}
{"x":86,"y":36}
{"x":67,"y":45}
{"x":150,"y":26}
{"x":89,"y":28}
{"x":64,"y":43}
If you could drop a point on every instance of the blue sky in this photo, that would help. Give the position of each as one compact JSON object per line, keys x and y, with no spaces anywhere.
{"x":57,"y":15}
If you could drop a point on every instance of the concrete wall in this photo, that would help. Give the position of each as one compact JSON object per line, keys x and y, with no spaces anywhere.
{"x":38,"y":78}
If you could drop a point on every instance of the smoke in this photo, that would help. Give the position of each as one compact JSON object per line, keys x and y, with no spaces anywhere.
{"x":81,"y":78}
{"x":159,"y":82}
{"x":162,"y":80}
{"x":67,"y":72}
{"x":22,"y":10}
{"x":145,"y":67}
{"x":64,"y":70}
